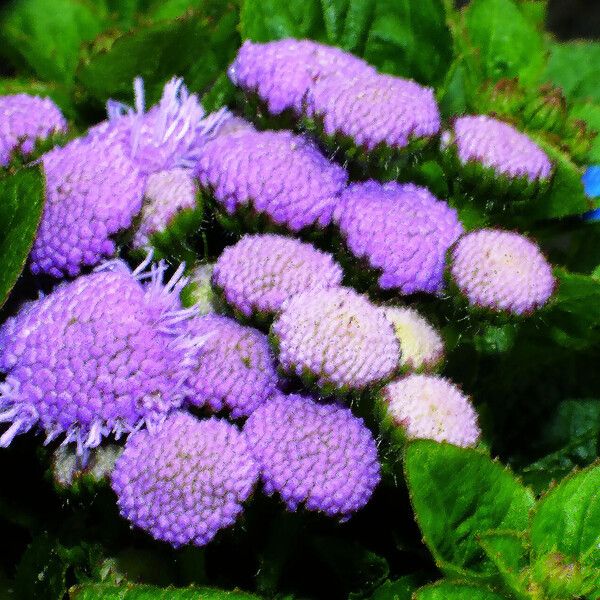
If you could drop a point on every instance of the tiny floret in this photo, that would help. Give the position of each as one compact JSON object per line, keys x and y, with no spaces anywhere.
{"x":421,"y":346}
{"x":235,"y":368}
{"x":335,"y":338}
{"x":431,"y":407}
{"x":103,"y":354}
{"x":186,"y":480}
{"x":499,"y":146}
{"x":502,"y":271}
{"x":281,"y":73}
{"x":167,"y":194}
{"x":374,"y":110}
{"x":24,"y":119}
{"x":319,"y":456}
{"x":402,"y":231}
{"x":260,"y":272}
{"x":276,"y":174}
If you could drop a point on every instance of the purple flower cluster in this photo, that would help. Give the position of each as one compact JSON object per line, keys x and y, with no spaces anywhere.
{"x":346,"y":93}
{"x":499,"y":146}
{"x":282,"y":72}
{"x":335,"y":338}
{"x":260,"y":272}
{"x":234,"y":369}
{"x":25,"y":119}
{"x":401,"y":230}
{"x":186,"y":480}
{"x":167,"y":194}
{"x":272,"y":173}
{"x":501,"y":271}
{"x":99,"y":355}
{"x":319,"y":456}
{"x":431,"y":407}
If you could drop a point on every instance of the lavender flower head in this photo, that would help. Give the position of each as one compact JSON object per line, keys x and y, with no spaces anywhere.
{"x":374,"y":109}
{"x":234,"y":370}
{"x":273,"y":173}
{"x":93,"y":192}
{"x":501,"y":271}
{"x":185,"y":481}
{"x":167,"y":194}
{"x":499,"y":146}
{"x":422,"y":347}
{"x":167,"y":136}
{"x":25,"y":119}
{"x":431,"y":407}
{"x":316,"y":455}
{"x":282,"y":72}
{"x":102,"y":354}
{"x":260,"y":272}
{"x":401,"y":230}
{"x":335,"y":338}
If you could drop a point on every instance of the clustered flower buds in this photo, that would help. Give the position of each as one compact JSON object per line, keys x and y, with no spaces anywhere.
{"x":316,"y":455}
{"x":502,"y":271}
{"x":25,"y":119}
{"x":260,"y":272}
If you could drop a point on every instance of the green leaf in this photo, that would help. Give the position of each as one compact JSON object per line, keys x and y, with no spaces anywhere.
{"x":148,"y":592}
{"x":195,"y":46}
{"x":398,"y":589}
{"x":567,"y":519}
{"x":21,"y":204}
{"x":402,"y":37}
{"x":508,"y":43}
{"x":570,"y":438}
{"x":578,"y":295}
{"x":508,"y":551}
{"x":47,"y":36}
{"x":446,"y":590}
{"x":590,"y":113}
{"x":575,"y":67}
{"x":458,"y":494}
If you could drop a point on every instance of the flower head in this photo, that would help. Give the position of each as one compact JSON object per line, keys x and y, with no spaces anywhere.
{"x":260,"y":272}
{"x":591,"y":181}
{"x":499,"y":146}
{"x":317,"y":455}
{"x":167,"y":194}
{"x":98,"y":355}
{"x":282,"y":72}
{"x":186,"y":480}
{"x":274,"y":173}
{"x":421,"y":346}
{"x":501,"y":271}
{"x":93,"y":192}
{"x":374,"y":109}
{"x":402,"y":230}
{"x":336,"y":338}
{"x":234,"y":370}
{"x":431,"y":407}
{"x":25,"y":119}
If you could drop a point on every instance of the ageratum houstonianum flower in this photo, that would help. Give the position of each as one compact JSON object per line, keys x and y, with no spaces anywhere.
{"x":260,"y":272}
{"x":401,"y":230}
{"x":235,"y":368}
{"x":502,"y":271}
{"x":102,"y":354}
{"x":167,"y":195}
{"x":318,"y":456}
{"x":24,"y":119}
{"x":421,"y":346}
{"x":281,"y":73}
{"x":275,"y":174}
{"x":431,"y":407}
{"x":499,"y":146}
{"x":95,"y":185}
{"x":335,"y":338}
{"x":186,"y":480}
{"x":374,"y":110}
